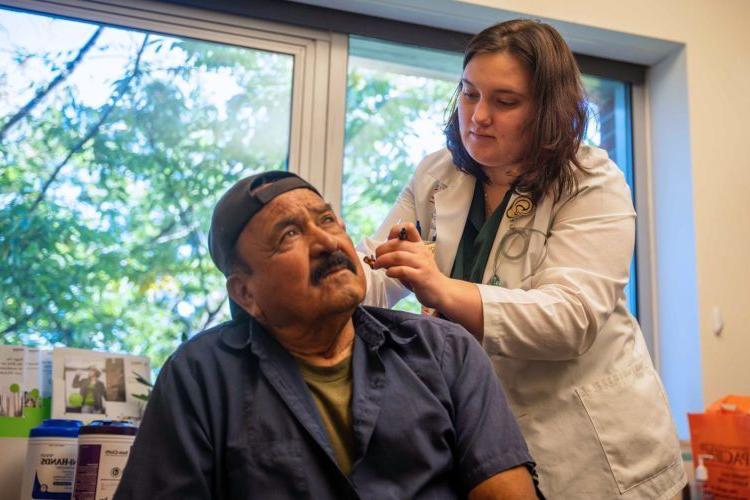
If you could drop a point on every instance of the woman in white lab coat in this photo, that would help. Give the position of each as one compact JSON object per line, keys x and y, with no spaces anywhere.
{"x":533,"y":237}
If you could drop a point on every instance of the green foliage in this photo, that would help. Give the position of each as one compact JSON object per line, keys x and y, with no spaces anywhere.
{"x":103,"y":244}
{"x":385,"y":114}
{"x":143,"y":381}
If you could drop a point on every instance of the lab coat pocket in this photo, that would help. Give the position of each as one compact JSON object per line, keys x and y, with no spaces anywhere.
{"x":631,"y":418}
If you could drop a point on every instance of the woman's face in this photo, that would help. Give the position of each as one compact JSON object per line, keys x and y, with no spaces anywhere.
{"x":494,"y":107}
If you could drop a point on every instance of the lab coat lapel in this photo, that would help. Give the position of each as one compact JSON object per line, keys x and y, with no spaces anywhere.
{"x":451,"y":208}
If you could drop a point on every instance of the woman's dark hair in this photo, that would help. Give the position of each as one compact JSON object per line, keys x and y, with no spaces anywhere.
{"x":559,"y":118}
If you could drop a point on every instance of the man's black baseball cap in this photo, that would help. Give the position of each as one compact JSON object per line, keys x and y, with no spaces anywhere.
{"x":240,"y":204}
{"x":234,"y":210}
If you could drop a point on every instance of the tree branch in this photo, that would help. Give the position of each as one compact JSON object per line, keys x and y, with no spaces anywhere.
{"x":116,"y":96}
{"x":67,"y":332}
{"x":16,"y":325}
{"x":212,"y":313}
{"x":42,"y":93}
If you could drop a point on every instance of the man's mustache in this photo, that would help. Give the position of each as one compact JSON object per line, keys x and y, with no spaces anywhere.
{"x":330,"y":262}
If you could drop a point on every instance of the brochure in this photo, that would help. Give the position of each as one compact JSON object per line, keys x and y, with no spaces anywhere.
{"x":12,"y":381}
{"x":91,"y":385}
{"x":25,"y":389}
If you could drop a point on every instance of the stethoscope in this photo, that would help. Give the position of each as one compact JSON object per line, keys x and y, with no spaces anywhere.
{"x":520,"y":207}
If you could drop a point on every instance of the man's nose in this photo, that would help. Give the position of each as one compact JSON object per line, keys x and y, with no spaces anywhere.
{"x":322,"y":241}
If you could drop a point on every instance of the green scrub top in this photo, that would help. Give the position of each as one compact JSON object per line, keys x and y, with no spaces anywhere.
{"x":476,"y":241}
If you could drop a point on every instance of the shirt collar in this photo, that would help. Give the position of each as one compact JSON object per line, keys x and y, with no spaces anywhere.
{"x":375,"y":325}
{"x":240,"y":334}
{"x":369,"y":329}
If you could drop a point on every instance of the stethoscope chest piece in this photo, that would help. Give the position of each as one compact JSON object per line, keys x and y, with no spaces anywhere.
{"x":495,"y":280}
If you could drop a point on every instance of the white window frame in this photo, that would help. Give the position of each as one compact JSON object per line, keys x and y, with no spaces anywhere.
{"x":645,"y":250}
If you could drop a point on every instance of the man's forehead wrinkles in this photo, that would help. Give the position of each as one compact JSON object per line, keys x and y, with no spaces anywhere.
{"x":291,"y":207}
{"x":298,"y":207}
{"x":321,"y":207}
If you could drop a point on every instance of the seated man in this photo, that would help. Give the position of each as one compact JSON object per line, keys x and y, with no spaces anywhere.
{"x":306,"y":394}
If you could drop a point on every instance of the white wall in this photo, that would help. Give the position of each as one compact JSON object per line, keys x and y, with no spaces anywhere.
{"x":699,"y":129}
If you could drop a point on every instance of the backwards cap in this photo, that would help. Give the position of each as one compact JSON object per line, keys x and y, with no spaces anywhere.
{"x":240,"y":204}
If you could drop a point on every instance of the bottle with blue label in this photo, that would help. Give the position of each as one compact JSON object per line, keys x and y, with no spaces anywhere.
{"x":51,"y":460}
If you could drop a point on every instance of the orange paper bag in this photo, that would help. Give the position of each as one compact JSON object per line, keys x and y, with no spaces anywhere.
{"x":723,"y":432}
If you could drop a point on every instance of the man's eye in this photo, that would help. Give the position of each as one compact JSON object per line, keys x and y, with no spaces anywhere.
{"x":328,"y":218}
{"x":290,"y":233}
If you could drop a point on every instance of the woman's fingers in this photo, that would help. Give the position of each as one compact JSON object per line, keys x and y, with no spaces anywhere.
{"x":397,"y":231}
{"x":396,"y":245}
{"x":399,"y":258}
{"x":405,"y":257}
{"x":427,"y":287}
{"x":400,"y":273}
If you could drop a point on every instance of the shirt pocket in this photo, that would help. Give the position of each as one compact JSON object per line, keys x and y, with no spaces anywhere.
{"x":275,"y":469}
{"x":631,"y":417}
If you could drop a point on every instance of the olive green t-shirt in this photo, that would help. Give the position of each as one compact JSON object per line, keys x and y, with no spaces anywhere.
{"x":331,"y":388}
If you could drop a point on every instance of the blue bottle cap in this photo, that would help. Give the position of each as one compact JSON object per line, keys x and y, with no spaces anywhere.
{"x":57,"y":427}
{"x":122,"y":427}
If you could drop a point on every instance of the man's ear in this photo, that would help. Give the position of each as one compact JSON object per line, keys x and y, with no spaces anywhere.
{"x":239,"y":290}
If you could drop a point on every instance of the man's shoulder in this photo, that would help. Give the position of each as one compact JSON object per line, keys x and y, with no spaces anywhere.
{"x":404,"y":327}
{"x":207,"y":345}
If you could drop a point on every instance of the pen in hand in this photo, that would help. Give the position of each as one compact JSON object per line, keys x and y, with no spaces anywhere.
{"x":370,"y":259}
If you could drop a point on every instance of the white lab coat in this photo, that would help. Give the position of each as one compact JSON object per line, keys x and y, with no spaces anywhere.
{"x":572,"y":359}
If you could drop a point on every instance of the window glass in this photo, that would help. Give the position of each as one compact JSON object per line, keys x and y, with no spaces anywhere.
{"x":396,"y":104}
{"x":396,"y":98}
{"x":114,"y":146}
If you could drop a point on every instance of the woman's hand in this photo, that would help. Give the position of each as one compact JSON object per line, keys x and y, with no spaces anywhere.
{"x":412,"y":262}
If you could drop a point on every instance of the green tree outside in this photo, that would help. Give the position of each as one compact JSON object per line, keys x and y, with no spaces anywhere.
{"x":104,"y":207}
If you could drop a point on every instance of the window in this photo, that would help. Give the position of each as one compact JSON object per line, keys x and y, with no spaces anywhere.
{"x":396,"y":98}
{"x":115,"y":143}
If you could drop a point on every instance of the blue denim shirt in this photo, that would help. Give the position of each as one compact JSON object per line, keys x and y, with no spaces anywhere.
{"x":231,"y":417}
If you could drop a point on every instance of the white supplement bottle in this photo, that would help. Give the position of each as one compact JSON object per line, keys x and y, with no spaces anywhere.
{"x":103,"y":450}
{"x":51,"y":460}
